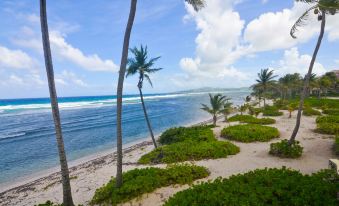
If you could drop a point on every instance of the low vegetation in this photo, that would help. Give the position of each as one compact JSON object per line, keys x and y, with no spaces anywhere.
{"x":141,"y":181}
{"x":191,"y":143}
{"x":336,"y":145}
{"x":271,"y":111}
{"x":282,"y":149}
{"x":331,"y":111}
{"x":250,"y":133}
{"x":264,"y":187}
{"x":309,"y":111}
{"x":251,"y":120}
{"x":329,"y":118}
{"x":328,"y":128}
{"x":240,"y":118}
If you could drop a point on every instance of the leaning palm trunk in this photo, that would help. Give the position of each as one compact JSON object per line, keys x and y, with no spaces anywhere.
{"x":66,"y":186}
{"x":214,"y":120}
{"x":146,"y":117}
{"x":307,"y":79}
{"x":122,"y":72}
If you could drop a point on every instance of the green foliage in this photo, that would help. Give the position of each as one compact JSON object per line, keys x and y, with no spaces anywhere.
{"x":336,"y":145}
{"x":282,"y":149}
{"x":190,"y":150}
{"x":250,"y":133}
{"x":328,"y":128}
{"x":48,"y":203}
{"x":240,"y":118}
{"x":329,"y":118}
{"x":309,"y":111}
{"x":271,"y":111}
{"x":260,"y":121}
{"x":279,"y":187}
{"x":179,"y":134}
{"x":281,"y":104}
{"x":331,"y":111}
{"x":141,"y":181}
{"x":320,"y":103}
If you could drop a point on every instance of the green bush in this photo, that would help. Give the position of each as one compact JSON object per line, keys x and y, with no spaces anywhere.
{"x":48,"y":203}
{"x":260,"y":121}
{"x":329,"y":119}
{"x":141,"y":181}
{"x":336,"y":145}
{"x":179,"y":134}
{"x":240,"y":118}
{"x":271,"y":111}
{"x":281,"y":104}
{"x":320,"y":103}
{"x":250,"y":133}
{"x":328,"y":128}
{"x":309,"y":111}
{"x":282,"y":149}
{"x":279,"y":187}
{"x":331,"y":111}
{"x":190,"y":150}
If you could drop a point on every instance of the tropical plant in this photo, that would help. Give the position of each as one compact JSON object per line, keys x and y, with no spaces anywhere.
{"x":227,"y":110}
{"x":284,"y":150}
{"x":291,"y":107}
{"x":242,"y":108}
{"x":143,"y":66}
{"x":217,"y":102}
{"x":65,"y":180}
{"x":264,"y":81}
{"x":321,"y":9}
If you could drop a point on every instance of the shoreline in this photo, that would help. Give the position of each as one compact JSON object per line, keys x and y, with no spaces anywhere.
{"x":95,"y":160}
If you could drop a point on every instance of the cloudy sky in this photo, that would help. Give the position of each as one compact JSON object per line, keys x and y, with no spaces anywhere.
{"x":223,"y":45}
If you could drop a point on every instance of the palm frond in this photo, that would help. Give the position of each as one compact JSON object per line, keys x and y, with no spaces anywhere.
{"x":149,"y":80}
{"x":197,"y":4}
{"x":301,"y":21}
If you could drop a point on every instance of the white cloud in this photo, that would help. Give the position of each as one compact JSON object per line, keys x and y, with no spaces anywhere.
{"x":15,"y":79}
{"x":67,"y":78}
{"x":15,"y":59}
{"x":294,"y":62}
{"x":264,"y":1}
{"x":217,"y":44}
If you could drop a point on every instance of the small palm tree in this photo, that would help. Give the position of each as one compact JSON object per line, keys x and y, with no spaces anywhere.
{"x":65,"y":180}
{"x":143,"y":66}
{"x":265,"y":80}
{"x":243,"y":108}
{"x":217,"y":103}
{"x":227,"y":110}
{"x":320,"y":8}
{"x":291,"y":107}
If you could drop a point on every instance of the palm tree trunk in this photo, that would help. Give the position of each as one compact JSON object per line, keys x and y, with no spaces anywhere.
{"x":214,"y":120}
{"x":122,"y":72}
{"x":66,"y":186}
{"x":146,"y":117}
{"x":307,"y":79}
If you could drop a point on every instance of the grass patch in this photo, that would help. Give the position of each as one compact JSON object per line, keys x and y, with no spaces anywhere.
{"x":240,"y":118}
{"x":328,"y":128}
{"x":309,"y":111}
{"x":263,"y":187}
{"x":260,"y":121}
{"x":331,"y":111}
{"x":180,"y":134}
{"x":271,"y":111}
{"x":141,"y":181}
{"x":282,"y":149}
{"x":250,"y":133}
{"x":329,"y":118}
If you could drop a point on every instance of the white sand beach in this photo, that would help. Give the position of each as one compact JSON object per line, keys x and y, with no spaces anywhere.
{"x":87,"y":177}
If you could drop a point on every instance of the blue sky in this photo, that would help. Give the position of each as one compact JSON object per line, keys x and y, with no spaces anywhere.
{"x":223,"y":45}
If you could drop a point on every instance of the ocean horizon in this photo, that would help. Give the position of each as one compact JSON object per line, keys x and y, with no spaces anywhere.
{"x":27,"y":136}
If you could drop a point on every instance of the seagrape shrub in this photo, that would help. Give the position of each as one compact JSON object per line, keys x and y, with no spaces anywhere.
{"x":328,"y":128}
{"x":141,"y":181}
{"x":250,"y":133}
{"x":189,"y":150}
{"x":271,"y":111}
{"x":260,"y":121}
{"x":261,"y":187}
{"x":282,"y":149}
{"x":179,"y":134}
{"x":331,"y":111}
{"x":309,"y":111}
{"x":240,"y":118}
{"x":281,"y":104}
{"x":322,"y":102}
{"x":329,"y":118}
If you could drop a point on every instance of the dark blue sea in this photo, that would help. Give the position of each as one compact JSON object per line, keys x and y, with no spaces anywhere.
{"x":27,"y":138}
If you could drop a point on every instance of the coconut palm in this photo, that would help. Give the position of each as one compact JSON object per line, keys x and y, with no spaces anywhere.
{"x":197,"y":4}
{"x":264,"y":81}
{"x":143,"y":66}
{"x":242,"y":108}
{"x":66,"y":186}
{"x":227,"y":110}
{"x":320,"y":8}
{"x":217,"y":103}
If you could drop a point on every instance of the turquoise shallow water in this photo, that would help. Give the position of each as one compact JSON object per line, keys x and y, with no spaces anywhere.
{"x":27,"y":140}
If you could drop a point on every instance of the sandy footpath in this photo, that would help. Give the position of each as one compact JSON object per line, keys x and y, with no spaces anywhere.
{"x":88,"y":176}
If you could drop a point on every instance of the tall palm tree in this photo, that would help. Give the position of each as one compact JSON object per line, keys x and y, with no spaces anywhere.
{"x":197,"y":4}
{"x":321,"y":8}
{"x":66,"y":186}
{"x":217,"y":103}
{"x":265,"y":80}
{"x":144,"y":67}
{"x":121,"y":78}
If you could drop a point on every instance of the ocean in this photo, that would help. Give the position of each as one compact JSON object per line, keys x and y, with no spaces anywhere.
{"x":27,"y":137}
